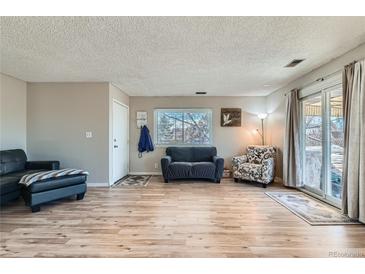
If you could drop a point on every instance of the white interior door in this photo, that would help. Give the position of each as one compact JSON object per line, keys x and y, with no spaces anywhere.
{"x":120,"y":141}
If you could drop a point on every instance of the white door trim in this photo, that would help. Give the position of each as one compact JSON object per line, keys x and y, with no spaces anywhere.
{"x":112,"y":135}
{"x":122,"y":104}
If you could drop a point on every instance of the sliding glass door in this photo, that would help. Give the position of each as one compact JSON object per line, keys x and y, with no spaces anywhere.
{"x":336,"y":144}
{"x":322,"y":143}
{"x":312,"y":143}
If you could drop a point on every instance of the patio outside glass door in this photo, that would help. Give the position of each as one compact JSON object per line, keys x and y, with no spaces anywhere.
{"x":312,"y":146}
{"x":322,"y":143}
{"x":335,"y":144}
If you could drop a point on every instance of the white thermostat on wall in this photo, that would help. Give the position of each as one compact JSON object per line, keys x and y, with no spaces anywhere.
{"x":141,"y":118}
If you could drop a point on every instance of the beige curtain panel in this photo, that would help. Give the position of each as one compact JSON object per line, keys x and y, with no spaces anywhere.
{"x":291,"y":153}
{"x":353,"y":196}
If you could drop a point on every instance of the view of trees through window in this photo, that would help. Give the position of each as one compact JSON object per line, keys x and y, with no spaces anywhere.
{"x":316,"y":137}
{"x":336,"y":145}
{"x":184,"y":127}
{"x":312,"y":110}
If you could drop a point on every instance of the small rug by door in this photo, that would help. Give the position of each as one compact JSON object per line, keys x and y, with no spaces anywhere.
{"x":310,"y":209}
{"x":133,"y":180}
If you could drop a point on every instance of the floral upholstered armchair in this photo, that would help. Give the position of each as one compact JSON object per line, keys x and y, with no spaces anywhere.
{"x":257,"y":165}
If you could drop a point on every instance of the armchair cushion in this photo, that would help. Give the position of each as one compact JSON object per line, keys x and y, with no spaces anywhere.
{"x":248,"y":171}
{"x":268,"y":166}
{"x":238,"y":160}
{"x":256,"y":154}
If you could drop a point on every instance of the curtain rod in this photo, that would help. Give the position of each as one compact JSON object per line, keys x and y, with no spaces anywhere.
{"x":323,"y":78}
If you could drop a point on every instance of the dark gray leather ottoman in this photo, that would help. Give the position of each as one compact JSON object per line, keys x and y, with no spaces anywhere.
{"x":53,"y":189}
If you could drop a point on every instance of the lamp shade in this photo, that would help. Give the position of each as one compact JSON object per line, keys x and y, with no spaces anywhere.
{"x":262,"y":115}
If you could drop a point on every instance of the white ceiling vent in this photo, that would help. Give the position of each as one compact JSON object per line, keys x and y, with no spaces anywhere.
{"x":294,"y":63}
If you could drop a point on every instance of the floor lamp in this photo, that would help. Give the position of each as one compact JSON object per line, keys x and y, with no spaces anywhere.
{"x":262,"y":117}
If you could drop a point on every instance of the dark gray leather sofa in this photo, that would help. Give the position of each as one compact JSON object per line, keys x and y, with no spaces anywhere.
{"x":192,"y":163}
{"x":14,"y":165}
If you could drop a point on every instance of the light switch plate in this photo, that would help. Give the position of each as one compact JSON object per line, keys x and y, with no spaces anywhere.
{"x":89,"y":134}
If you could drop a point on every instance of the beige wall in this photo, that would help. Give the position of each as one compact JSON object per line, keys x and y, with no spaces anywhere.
{"x":13,"y":116}
{"x":229,"y":141}
{"x":117,"y":94}
{"x":59,"y":114}
{"x":50,"y":120}
{"x":275,"y":102}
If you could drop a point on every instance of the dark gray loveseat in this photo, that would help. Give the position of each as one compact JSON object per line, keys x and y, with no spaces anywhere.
{"x":192,"y":163}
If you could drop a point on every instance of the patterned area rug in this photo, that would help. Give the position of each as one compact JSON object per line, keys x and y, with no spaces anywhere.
{"x":310,"y":209}
{"x":133,"y":180}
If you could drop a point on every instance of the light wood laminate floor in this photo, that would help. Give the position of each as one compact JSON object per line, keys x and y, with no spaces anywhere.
{"x":172,"y":220}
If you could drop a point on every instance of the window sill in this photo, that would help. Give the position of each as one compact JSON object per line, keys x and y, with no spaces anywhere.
{"x":182,"y":145}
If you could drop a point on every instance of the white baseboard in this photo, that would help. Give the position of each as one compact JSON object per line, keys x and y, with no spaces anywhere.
{"x":278,"y":180}
{"x":145,"y":173}
{"x":97,"y":184}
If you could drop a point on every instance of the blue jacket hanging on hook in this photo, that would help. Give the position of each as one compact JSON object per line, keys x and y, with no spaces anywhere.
{"x":145,"y":141}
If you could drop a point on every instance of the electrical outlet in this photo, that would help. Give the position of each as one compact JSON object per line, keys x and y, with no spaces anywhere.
{"x":156,"y":165}
{"x":88,"y":134}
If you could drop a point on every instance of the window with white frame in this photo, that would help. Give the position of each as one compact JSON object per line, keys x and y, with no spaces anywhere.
{"x":183,"y":126}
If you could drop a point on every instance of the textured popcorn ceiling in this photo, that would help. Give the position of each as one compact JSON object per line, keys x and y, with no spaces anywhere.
{"x":174,"y":55}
